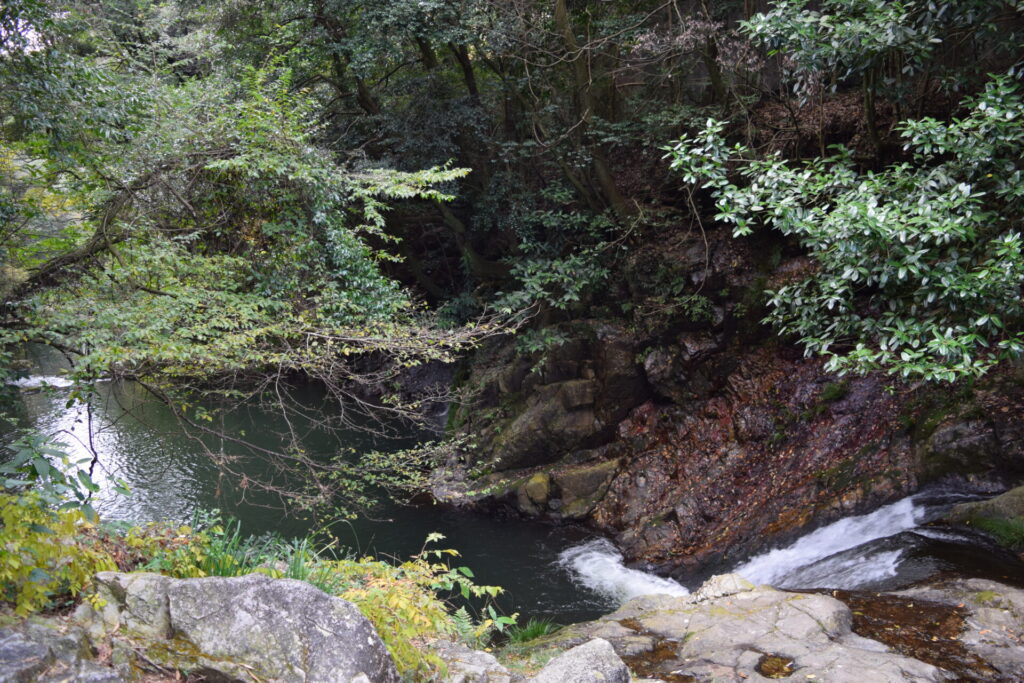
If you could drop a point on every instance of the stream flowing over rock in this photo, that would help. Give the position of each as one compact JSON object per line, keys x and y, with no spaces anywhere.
{"x":251,"y":628}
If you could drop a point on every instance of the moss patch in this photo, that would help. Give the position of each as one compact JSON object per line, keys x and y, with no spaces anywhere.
{"x":986,"y":597}
{"x":1008,"y":532}
{"x":835,"y":391}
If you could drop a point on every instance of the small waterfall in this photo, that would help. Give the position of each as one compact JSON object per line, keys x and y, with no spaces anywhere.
{"x":819,"y":560}
{"x":869,"y":550}
{"x":41,"y":381}
{"x":598,"y":565}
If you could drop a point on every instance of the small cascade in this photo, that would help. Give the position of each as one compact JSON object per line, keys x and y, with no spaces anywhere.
{"x":599,"y":566}
{"x":41,"y":382}
{"x":884,"y":550}
{"x":819,"y":560}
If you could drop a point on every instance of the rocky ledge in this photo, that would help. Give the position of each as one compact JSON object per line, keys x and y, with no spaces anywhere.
{"x":730,"y":630}
{"x":254,"y":628}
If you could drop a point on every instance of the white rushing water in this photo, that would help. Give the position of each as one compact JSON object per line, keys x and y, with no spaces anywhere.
{"x":598,"y":565}
{"x":40,"y":381}
{"x":819,"y":560}
{"x":830,"y":557}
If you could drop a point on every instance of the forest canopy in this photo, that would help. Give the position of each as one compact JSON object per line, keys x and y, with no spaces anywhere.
{"x":224,"y":196}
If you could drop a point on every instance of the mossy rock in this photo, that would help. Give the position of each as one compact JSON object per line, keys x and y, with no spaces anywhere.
{"x":538,"y":488}
{"x":1008,"y":506}
{"x":584,"y":486}
{"x":1002,"y":517}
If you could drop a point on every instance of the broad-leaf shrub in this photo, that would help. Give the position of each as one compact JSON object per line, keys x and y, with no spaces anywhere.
{"x":45,"y":553}
{"x":835,"y":40}
{"x":407,"y":603}
{"x":918,"y":268}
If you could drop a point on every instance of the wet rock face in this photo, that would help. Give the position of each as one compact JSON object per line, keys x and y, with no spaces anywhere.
{"x":531,"y":411}
{"x":756,"y":445}
{"x":976,"y":435}
{"x":250,"y":628}
{"x":697,"y":441}
{"x":688,"y":369}
{"x":778,"y":446}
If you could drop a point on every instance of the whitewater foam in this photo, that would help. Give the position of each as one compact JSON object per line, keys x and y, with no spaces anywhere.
{"x":40,"y":381}
{"x":781,"y":567}
{"x":598,"y":565}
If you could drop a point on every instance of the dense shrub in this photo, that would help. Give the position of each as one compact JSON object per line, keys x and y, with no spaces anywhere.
{"x":44,"y":553}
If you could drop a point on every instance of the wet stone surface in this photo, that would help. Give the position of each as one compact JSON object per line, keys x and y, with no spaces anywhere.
{"x":774,"y":666}
{"x":925,"y":630}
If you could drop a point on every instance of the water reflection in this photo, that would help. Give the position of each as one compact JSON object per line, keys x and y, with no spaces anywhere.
{"x":172,"y":476}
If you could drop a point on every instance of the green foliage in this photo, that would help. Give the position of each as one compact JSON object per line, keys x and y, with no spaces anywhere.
{"x":45,"y":553}
{"x":825,"y":43}
{"x":560,"y":283}
{"x":210,"y":548}
{"x":206,"y":237}
{"x":358,"y":479}
{"x":1009,"y":532}
{"x":38,"y":463}
{"x":531,"y":630}
{"x":918,"y":268}
{"x":540,"y":341}
{"x":406,"y":603}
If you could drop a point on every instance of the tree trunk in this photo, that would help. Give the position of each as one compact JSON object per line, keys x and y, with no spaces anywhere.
{"x":481,"y":268}
{"x":585,"y":105}
{"x":427,"y":55}
{"x":870,"y":117}
{"x":468,"y":75}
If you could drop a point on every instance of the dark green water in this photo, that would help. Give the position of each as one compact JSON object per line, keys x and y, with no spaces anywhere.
{"x":172,"y":477}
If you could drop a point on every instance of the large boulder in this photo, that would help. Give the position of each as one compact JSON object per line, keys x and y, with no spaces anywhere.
{"x":593,"y":662}
{"x":1006,"y":507}
{"x":250,"y":628}
{"x":466,"y":665}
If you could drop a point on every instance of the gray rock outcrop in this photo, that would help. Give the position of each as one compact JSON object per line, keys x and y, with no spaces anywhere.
{"x":593,"y":662}
{"x":251,"y":628}
{"x":466,"y":665}
{"x":733,"y":631}
{"x":49,"y":653}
